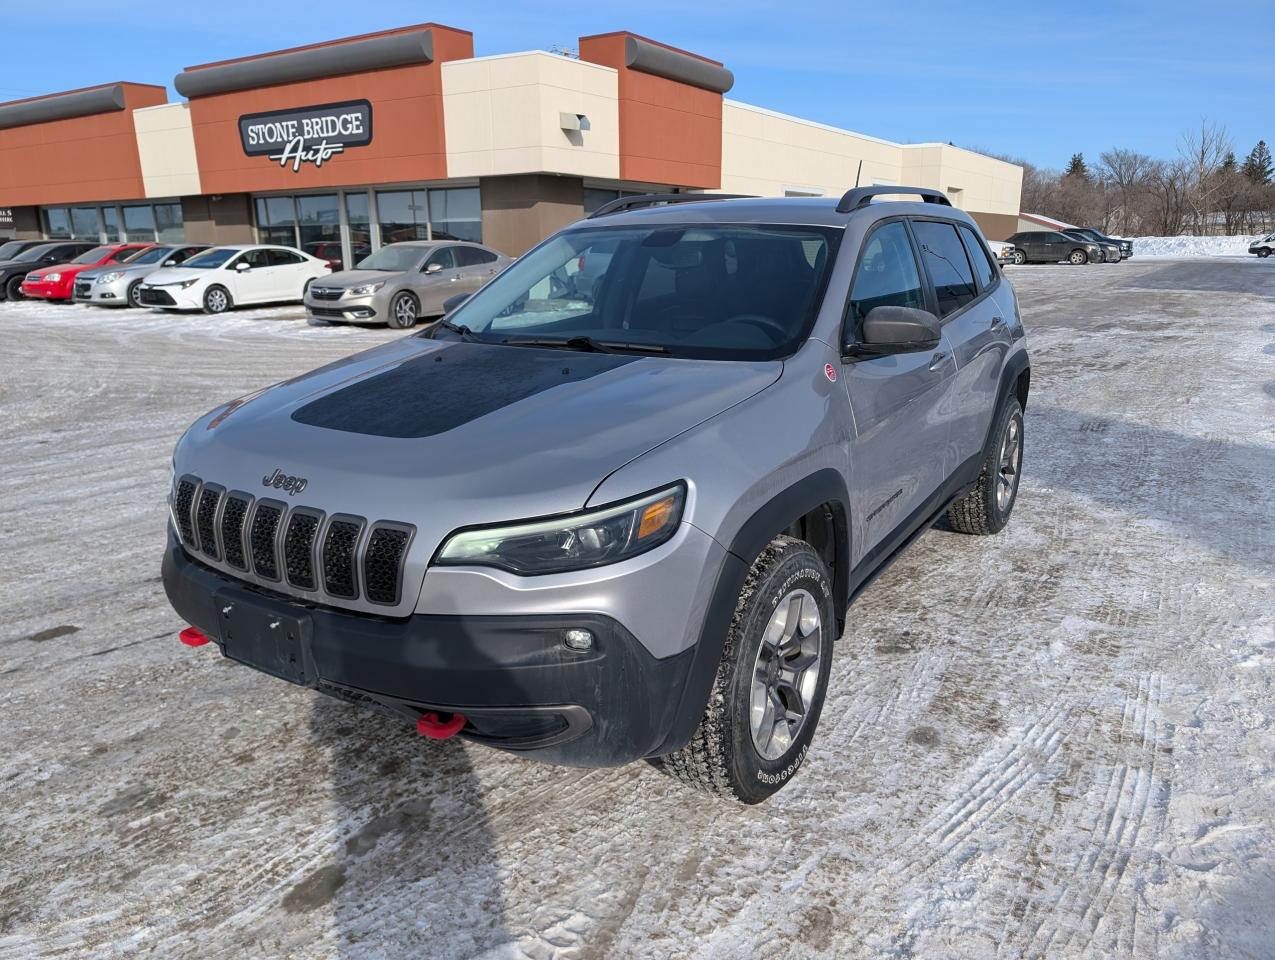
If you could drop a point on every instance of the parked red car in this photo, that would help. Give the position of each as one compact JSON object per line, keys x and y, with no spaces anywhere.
{"x":57,"y":282}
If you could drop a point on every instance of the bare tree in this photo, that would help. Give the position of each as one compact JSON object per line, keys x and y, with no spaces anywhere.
{"x":1201,"y":154}
{"x":1125,"y":172}
{"x":1167,"y":209}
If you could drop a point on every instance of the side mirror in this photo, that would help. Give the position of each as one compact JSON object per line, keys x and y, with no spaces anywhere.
{"x":451,"y":303}
{"x":888,"y":330}
{"x":433,"y":268}
{"x":170,"y":263}
{"x":241,"y":266}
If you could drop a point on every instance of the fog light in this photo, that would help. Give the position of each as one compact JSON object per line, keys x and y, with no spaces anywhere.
{"x":578,"y":638}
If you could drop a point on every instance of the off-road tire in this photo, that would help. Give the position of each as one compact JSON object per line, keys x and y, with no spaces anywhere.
{"x":720,"y":757}
{"x":210,"y":302}
{"x":1019,"y":258}
{"x":13,"y":289}
{"x":130,"y":297}
{"x":978,"y":512}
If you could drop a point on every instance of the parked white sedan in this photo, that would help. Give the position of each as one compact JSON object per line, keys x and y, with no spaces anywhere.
{"x":231,"y":276}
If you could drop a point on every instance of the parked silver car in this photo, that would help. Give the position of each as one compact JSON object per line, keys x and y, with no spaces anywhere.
{"x":403,"y":282}
{"x":117,"y":285}
{"x":596,"y":526}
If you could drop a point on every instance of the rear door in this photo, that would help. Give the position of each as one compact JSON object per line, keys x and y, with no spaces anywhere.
{"x":477,"y":266}
{"x":977,"y":331}
{"x":290,"y":270}
{"x":900,"y":449}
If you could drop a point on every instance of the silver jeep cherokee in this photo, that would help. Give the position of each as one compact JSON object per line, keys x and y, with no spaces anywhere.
{"x":619,"y":519}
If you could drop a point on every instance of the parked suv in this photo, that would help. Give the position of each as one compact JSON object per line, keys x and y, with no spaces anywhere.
{"x":403,"y":282}
{"x":1050,"y":246}
{"x":1263,"y":246}
{"x":593,"y":527}
{"x":1110,"y":249}
{"x":1126,"y":246}
{"x":13,"y":273}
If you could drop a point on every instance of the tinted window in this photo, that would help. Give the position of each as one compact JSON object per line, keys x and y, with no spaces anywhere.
{"x":280,"y":258}
{"x":715,"y":290}
{"x":254,"y":259}
{"x":473,"y":256}
{"x":984,"y":266}
{"x":10,"y":250}
{"x":443,"y":257}
{"x":35,"y":253}
{"x":887,"y":276}
{"x":949,"y":267}
{"x":153,"y":255}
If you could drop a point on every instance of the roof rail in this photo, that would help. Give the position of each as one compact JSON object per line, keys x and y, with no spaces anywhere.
{"x":659,"y":199}
{"x":862,"y":196}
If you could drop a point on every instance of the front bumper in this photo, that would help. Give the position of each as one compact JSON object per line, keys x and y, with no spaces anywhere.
{"x":170,"y":298}
{"x":114,"y":294}
{"x":366,"y":309}
{"x":46,"y":291}
{"x":519,"y":687}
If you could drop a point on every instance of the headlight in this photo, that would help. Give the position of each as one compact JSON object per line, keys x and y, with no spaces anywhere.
{"x":109,"y":277}
{"x":188,"y":283}
{"x":53,"y":277}
{"x":366,"y":289}
{"x":573,"y":542}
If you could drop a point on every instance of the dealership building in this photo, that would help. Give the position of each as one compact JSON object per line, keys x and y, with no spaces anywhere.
{"x":344,"y":146}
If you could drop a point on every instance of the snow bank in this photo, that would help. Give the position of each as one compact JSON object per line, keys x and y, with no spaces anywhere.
{"x":1190,"y":246}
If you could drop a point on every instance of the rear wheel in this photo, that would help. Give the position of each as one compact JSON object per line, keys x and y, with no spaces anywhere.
{"x":1078,"y":257}
{"x":1019,"y":257}
{"x":771,"y":680}
{"x":404,"y":311}
{"x":986,"y":508}
{"x":216,"y":300}
{"x":13,"y":289}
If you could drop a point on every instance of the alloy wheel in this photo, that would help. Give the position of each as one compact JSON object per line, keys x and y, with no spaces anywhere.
{"x":785,"y":675}
{"x":1009,"y":462}
{"x":405,"y":311}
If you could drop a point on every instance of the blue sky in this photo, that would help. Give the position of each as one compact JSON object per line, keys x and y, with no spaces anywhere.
{"x":1038,"y":80}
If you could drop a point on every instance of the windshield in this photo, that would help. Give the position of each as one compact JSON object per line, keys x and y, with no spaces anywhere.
{"x":92,"y":256}
{"x":35,"y":253}
{"x":10,"y":250}
{"x":152,"y":255}
{"x":395,"y":258}
{"x":211,"y":258}
{"x":716,"y":291}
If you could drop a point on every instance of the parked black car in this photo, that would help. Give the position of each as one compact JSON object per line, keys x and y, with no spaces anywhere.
{"x":1110,"y":248}
{"x":1050,"y":246}
{"x":44,"y":254}
{"x":1126,"y":246}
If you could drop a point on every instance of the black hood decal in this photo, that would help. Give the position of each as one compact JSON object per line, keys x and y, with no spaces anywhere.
{"x":449,"y":388}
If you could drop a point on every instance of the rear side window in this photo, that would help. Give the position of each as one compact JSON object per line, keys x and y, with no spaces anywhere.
{"x":887,"y":276}
{"x":983,"y":265}
{"x":949,"y":268}
{"x":472,"y":256}
{"x":285,"y":258}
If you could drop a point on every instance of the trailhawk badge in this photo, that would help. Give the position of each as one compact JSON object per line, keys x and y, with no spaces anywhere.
{"x":282,"y":481}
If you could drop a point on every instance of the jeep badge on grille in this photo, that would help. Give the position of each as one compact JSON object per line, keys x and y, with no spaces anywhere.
{"x":282,"y":481}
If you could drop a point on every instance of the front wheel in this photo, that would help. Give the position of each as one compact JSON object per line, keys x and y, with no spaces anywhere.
{"x":986,"y":508}
{"x":1078,"y":257}
{"x":216,"y":300}
{"x":1264,"y":253}
{"x":13,"y":289}
{"x":771,"y":680}
{"x":1019,"y":257}
{"x":134,"y":290}
{"x":404,"y":311}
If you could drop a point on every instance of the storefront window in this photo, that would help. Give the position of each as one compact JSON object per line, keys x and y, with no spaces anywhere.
{"x":169,"y":226}
{"x":57,"y":223}
{"x":84,"y":223}
{"x":456,"y":214}
{"x":360,"y":230}
{"x":139,"y":223}
{"x":403,"y":216}
{"x":277,"y":220}
{"x":320,"y":222}
{"x":110,"y":224}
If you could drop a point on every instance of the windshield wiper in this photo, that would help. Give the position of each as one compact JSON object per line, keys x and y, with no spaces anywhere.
{"x":590,"y":345}
{"x":460,"y":328}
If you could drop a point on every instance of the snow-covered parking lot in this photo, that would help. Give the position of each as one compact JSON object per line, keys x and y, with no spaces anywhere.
{"x":1057,"y":742}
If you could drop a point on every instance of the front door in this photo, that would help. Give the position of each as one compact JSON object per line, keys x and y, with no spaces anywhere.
{"x":899,"y":455}
{"x":255,"y":284}
{"x":439,"y":285}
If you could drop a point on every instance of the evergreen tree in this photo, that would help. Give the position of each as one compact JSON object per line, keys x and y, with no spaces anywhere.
{"x":1077,"y":167}
{"x":1229,"y":164}
{"x":1258,"y":166}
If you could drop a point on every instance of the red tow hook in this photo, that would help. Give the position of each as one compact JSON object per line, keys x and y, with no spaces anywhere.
{"x":429,"y":725}
{"x":192,"y":637}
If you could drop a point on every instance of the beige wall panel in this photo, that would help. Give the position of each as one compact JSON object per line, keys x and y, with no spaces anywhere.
{"x":166,"y":148}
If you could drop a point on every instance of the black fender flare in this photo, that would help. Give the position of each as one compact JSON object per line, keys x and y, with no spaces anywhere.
{"x":825,"y":486}
{"x":1017,"y":364}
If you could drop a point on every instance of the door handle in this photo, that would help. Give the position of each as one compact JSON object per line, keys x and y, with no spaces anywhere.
{"x":938,"y":360}
{"x":452,"y":279}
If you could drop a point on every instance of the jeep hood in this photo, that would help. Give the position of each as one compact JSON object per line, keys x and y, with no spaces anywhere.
{"x":445,"y":434}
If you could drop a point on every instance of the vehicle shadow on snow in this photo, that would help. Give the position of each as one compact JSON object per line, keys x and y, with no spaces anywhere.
{"x":1215,"y":490}
{"x":413,"y":869}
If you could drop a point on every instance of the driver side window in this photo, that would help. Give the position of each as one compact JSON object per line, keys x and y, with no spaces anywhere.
{"x":443,"y":257}
{"x":887,"y":277}
{"x":254,"y":259}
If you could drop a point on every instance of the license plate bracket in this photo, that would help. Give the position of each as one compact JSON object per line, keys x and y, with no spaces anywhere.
{"x":266,"y":639}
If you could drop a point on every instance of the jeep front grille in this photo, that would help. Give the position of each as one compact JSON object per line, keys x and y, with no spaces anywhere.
{"x":341,"y":557}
